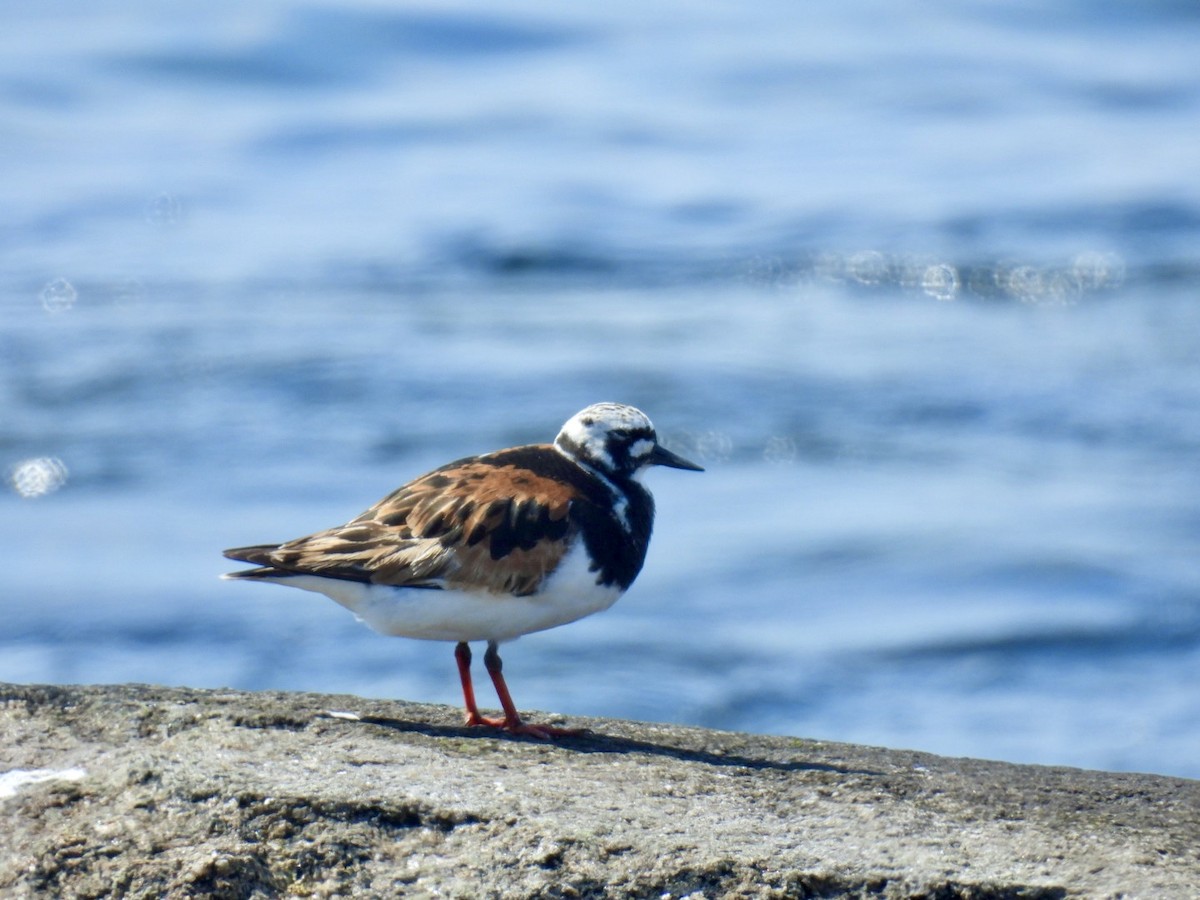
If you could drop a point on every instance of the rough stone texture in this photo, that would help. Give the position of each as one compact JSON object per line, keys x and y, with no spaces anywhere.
{"x":240,"y":795}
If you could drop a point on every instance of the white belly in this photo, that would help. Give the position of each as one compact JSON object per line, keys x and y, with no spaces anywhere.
{"x":569,"y":593}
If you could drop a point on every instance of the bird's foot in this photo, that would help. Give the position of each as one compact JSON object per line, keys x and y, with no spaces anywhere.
{"x":475,"y":719}
{"x":516,"y":725}
{"x":544,"y":732}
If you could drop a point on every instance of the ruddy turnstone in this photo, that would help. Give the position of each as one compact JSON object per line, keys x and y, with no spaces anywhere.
{"x":491,"y":547}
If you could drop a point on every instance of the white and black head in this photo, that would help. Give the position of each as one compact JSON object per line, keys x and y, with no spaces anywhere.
{"x":616,"y":439}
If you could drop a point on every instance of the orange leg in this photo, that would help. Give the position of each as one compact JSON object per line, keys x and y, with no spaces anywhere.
{"x":462,"y":655}
{"x":512,"y":719}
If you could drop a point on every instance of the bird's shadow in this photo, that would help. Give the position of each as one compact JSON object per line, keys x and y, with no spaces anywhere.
{"x":596,"y":742}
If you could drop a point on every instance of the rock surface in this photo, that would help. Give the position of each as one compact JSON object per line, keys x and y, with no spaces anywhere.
{"x":133,"y":791}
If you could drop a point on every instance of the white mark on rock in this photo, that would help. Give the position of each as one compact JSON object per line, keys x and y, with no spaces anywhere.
{"x":15,"y":779}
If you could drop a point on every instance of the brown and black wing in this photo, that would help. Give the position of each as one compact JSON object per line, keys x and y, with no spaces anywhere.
{"x":487,"y":523}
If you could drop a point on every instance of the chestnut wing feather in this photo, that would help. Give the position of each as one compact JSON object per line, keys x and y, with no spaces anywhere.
{"x":471,"y":524}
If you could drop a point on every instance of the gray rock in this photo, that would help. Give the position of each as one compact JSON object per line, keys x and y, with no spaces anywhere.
{"x":151,"y":792}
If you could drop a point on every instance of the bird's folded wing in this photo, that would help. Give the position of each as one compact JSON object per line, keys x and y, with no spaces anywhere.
{"x":470,"y":525}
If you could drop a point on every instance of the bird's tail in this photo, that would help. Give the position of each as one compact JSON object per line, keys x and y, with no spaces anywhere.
{"x":260,"y":555}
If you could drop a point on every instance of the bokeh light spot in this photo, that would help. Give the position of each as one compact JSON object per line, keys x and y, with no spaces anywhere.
{"x":1094,"y":270}
{"x":780,"y":449}
{"x":164,"y":210}
{"x":868,"y":267}
{"x":58,"y":295}
{"x":38,"y":477}
{"x":941,"y":282}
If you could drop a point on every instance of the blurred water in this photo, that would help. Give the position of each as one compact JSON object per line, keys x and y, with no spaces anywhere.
{"x":917,"y":285}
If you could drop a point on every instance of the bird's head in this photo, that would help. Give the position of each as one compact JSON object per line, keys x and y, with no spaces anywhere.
{"x":617,"y":440}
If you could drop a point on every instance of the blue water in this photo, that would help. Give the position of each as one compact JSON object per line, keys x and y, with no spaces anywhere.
{"x":919,"y":285}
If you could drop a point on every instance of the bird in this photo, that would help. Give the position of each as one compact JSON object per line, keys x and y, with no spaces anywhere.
{"x":491,"y":547}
